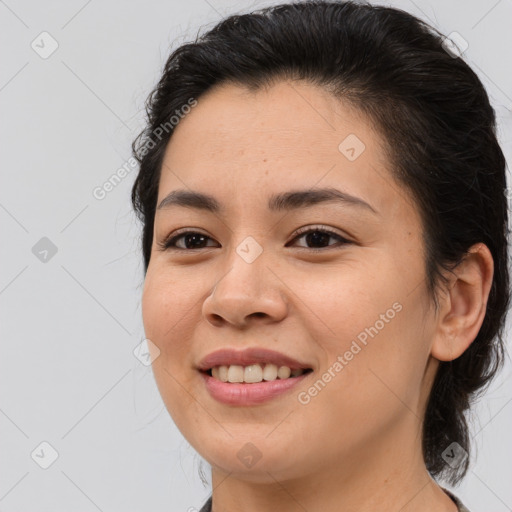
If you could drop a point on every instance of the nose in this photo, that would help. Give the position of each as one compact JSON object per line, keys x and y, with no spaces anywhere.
{"x":246,"y":293}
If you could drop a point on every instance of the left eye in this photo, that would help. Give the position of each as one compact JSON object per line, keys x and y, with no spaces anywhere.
{"x":319,"y":236}
{"x":196,"y":240}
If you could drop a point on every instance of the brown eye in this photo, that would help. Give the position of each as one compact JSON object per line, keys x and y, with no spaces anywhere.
{"x":191,"y":240}
{"x":316,"y":238}
{"x":319,"y":237}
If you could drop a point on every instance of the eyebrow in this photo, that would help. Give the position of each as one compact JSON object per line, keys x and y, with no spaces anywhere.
{"x":286,"y":201}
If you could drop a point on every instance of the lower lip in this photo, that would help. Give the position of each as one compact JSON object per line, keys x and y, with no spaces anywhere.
{"x":249,"y":394}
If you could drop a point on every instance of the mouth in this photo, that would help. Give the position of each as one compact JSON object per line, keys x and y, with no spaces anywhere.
{"x":252,"y":376}
{"x":254,"y":373}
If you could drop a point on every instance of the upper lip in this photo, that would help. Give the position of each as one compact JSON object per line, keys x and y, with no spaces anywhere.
{"x":246,"y":357}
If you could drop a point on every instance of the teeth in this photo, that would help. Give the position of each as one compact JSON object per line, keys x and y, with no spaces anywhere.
{"x":283,"y":372}
{"x":235,"y":373}
{"x":270,"y":372}
{"x":254,"y":373}
{"x":220,"y":373}
{"x":223,"y":373}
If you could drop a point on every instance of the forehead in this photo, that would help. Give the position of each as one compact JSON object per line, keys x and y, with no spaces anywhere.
{"x":238,"y":144}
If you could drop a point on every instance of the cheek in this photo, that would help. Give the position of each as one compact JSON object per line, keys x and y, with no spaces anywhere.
{"x":375,"y":351}
{"x":366,"y":392}
{"x":342,"y":303}
{"x":163,"y":311}
{"x":170,"y":302}
{"x":166,"y":300}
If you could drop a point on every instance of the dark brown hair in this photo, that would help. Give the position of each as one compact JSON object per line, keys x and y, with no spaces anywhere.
{"x":439,"y":126}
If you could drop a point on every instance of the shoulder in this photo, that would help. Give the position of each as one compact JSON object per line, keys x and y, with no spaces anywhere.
{"x":207,"y":507}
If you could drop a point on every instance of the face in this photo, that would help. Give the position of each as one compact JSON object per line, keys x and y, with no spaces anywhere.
{"x":337,"y":286}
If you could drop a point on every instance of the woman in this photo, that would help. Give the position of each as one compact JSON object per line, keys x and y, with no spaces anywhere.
{"x":325,"y":246}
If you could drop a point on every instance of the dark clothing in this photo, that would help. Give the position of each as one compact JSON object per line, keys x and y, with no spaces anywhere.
{"x":207,"y":507}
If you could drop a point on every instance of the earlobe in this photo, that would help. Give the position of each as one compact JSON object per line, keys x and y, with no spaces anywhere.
{"x":463,"y":305}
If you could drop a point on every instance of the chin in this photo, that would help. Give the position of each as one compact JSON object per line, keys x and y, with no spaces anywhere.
{"x":252,"y":458}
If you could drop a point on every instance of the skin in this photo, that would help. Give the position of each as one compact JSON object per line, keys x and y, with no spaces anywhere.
{"x":356,"y":446}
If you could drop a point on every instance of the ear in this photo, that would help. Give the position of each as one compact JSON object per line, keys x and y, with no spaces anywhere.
{"x":463,"y":304}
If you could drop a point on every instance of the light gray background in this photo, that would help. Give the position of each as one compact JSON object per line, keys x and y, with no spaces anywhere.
{"x":68,"y":375}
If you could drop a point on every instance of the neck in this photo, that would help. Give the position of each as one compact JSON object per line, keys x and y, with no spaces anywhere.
{"x":381,"y":476}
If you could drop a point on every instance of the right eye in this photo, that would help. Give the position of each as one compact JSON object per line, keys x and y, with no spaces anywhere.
{"x":191,"y":240}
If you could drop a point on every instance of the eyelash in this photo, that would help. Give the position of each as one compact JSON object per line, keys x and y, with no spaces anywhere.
{"x":168,"y":243}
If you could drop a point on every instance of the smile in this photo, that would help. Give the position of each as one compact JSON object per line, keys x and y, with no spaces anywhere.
{"x":254,"y":373}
